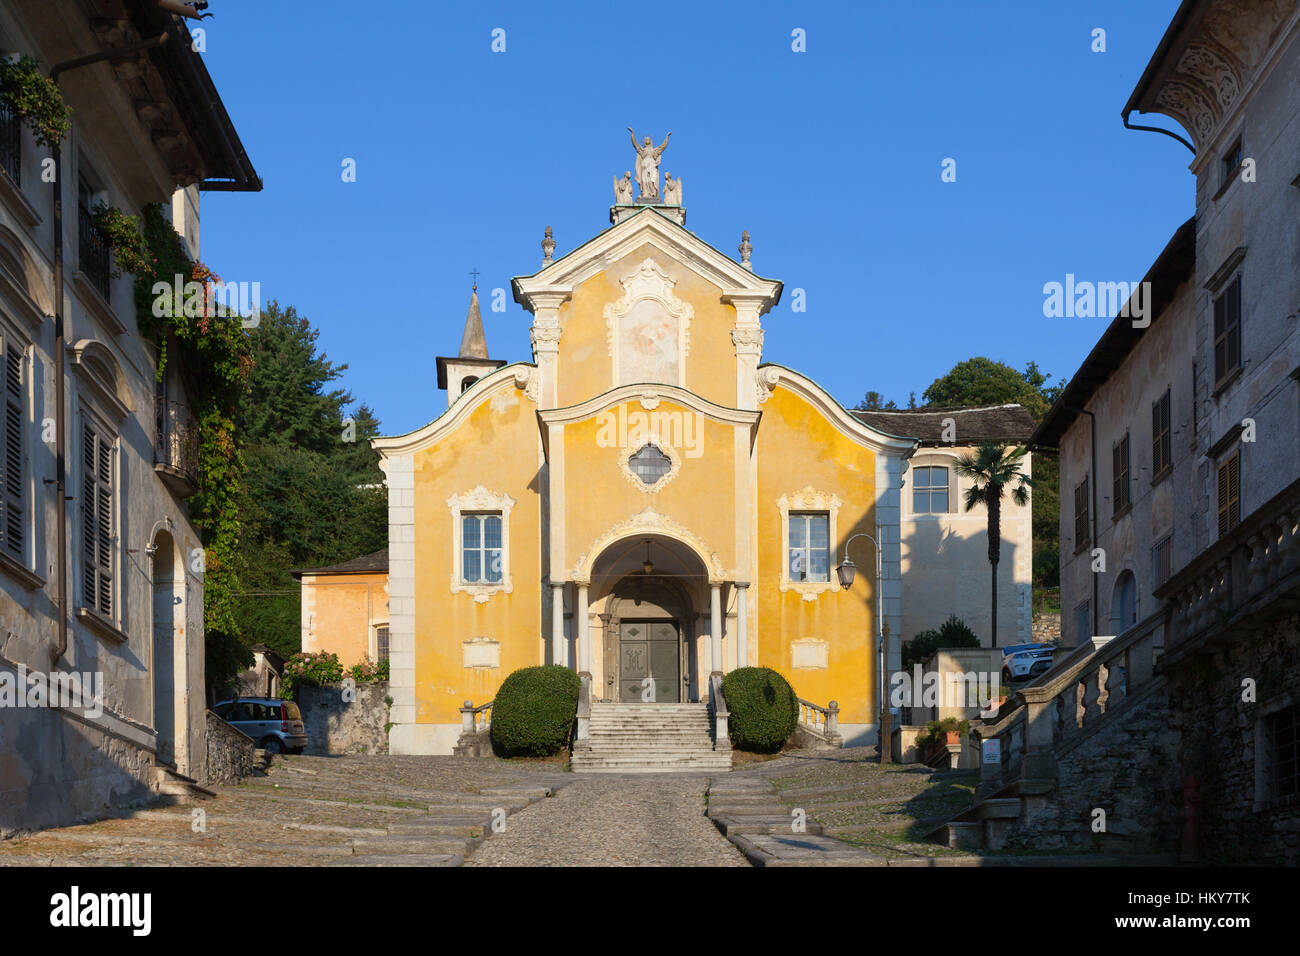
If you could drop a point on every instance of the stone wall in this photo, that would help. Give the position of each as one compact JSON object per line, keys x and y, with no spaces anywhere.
{"x":1125,"y":768}
{"x":1218,"y":748}
{"x":1046,"y":628}
{"x":230,"y":753}
{"x":57,"y":770}
{"x":335,"y":726}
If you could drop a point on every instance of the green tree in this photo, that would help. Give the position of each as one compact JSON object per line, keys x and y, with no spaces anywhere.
{"x":994,"y":471}
{"x":875,"y":402}
{"x":982,"y":381}
{"x":313,"y":493}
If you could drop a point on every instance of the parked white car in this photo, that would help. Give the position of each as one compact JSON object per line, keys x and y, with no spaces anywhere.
{"x":1021,"y":662}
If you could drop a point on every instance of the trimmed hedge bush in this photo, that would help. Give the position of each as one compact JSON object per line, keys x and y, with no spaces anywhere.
{"x":534,"y":711}
{"x":764,"y":710}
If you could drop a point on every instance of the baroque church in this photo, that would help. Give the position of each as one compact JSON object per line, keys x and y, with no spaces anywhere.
{"x":650,"y":503}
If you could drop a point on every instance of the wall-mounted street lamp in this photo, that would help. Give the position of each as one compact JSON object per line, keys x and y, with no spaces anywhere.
{"x":846,"y":572}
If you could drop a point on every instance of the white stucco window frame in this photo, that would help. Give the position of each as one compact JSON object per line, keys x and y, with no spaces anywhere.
{"x":809,"y":499}
{"x":374,"y":641}
{"x":933,"y":458}
{"x":480,"y":499}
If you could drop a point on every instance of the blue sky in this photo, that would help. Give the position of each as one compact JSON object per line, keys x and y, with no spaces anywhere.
{"x":831,"y":158}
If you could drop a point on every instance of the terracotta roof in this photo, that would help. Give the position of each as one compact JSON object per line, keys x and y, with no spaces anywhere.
{"x":366,"y":564}
{"x":1174,"y":266}
{"x":1000,"y":423}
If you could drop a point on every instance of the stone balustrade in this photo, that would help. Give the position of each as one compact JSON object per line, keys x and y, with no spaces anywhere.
{"x":584,"y":711}
{"x":1069,"y":701}
{"x":475,"y":730}
{"x":473,"y":719}
{"x":721,"y":715}
{"x":821,"y":722}
{"x":1238,"y":571}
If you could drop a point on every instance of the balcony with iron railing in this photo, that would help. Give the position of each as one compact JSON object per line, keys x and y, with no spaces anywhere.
{"x":93,"y":253}
{"x":11,"y":142}
{"x":176,"y":449}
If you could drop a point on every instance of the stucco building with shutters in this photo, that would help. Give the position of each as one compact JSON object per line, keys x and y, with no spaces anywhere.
{"x":148,"y":127}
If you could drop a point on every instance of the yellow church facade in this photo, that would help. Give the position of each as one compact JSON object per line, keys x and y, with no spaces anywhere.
{"x":646,"y":502}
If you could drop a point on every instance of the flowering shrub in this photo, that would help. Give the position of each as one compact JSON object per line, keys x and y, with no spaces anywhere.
{"x":310,"y":669}
{"x":369,"y":672}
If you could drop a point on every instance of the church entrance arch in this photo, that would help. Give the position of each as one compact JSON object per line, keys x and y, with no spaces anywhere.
{"x":651,"y":603}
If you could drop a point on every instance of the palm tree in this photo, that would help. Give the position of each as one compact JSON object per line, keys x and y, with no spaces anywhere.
{"x":994,"y":470}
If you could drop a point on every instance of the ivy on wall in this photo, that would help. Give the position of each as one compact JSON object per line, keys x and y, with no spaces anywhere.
{"x":36,"y":98}
{"x":210,"y":348}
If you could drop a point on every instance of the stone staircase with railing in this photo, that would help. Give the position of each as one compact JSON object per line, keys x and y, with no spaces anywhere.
{"x":1097,"y":686}
{"x":642,"y":738}
{"x":1096,"y":732}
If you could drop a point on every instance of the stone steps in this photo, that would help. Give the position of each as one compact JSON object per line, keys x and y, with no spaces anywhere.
{"x":748,"y":812}
{"x":182,"y":789}
{"x":649,"y":738}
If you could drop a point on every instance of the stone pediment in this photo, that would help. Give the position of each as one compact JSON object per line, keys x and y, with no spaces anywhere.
{"x":555,"y":283}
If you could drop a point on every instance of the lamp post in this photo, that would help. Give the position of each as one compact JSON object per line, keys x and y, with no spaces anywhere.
{"x":846,"y":571}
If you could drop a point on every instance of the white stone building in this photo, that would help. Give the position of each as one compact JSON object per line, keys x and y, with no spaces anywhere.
{"x":945,"y":547}
{"x":1180,"y":497}
{"x":147,"y":127}
{"x":1197,"y":418}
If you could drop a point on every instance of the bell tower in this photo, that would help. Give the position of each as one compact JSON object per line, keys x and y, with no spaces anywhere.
{"x":459,"y":373}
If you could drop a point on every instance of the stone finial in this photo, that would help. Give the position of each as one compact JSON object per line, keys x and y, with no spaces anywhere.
{"x":548,"y":247}
{"x":746,"y":247}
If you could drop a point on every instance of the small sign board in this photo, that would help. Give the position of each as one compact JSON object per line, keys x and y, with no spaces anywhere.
{"x":991,"y":751}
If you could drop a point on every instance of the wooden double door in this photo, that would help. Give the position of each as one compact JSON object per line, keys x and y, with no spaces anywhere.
{"x":650,"y":665}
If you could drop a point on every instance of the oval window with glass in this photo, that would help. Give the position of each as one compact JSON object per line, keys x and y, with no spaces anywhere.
{"x":650,"y":464}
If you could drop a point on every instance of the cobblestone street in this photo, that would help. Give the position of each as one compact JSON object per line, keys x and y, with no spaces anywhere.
{"x":441,"y":811}
{"x":615,"y":820}
{"x":312,"y":811}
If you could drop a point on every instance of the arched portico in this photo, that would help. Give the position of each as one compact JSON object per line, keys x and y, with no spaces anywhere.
{"x":648,"y":621}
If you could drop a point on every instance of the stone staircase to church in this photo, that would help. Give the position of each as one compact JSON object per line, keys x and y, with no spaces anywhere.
{"x":649,"y":738}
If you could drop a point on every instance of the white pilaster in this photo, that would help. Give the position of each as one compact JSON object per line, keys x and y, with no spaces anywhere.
{"x":545,"y":335}
{"x":583,"y":617}
{"x":557,"y":625}
{"x":742,"y":623}
{"x":715,"y":625}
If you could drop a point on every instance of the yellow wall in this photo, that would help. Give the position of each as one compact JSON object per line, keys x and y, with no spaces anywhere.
{"x":700,"y":497}
{"x":585,"y":367}
{"x":496,"y":447}
{"x":797,"y":448}
{"x":342,"y":609}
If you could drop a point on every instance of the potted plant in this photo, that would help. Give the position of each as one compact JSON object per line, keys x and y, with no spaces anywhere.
{"x":940,"y":734}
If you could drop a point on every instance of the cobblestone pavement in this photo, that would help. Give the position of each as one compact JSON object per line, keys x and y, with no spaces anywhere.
{"x":311,"y":811}
{"x":885,"y":810}
{"x":614,"y":820}
{"x":440,"y":811}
